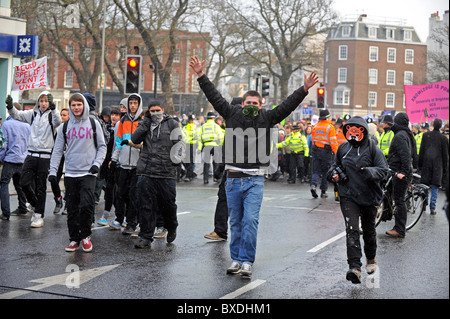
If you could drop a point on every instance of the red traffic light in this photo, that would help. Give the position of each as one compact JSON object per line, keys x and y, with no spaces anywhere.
{"x":320,"y":91}
{"x":132,"y":62}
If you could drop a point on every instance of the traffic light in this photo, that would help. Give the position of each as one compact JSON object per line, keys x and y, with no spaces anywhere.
{"x":321,"y":98}
{"x":265,"y":86}
{"x":133,"y":74}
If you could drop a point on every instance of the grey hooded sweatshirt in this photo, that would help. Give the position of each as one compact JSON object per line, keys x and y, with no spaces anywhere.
{"x":81,"y":153}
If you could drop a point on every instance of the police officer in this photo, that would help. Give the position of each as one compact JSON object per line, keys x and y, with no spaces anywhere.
{"x":211,"y":136}
{"x":324,"y":145}
{"x":190,"y":138}
{"x":388,"y":134}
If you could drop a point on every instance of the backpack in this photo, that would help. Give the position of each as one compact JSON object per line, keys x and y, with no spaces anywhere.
{"x":50,"y":121}
{"x":94,"y":129}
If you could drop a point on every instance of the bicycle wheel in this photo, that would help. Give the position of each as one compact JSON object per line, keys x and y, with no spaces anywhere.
{"x":414,"y":202}
{"x":379,"y":215}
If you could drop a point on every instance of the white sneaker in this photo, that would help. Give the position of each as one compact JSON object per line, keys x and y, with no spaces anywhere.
{"x":37,"y":221}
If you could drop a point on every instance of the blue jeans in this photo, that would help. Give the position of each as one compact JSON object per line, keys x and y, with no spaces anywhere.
{"x":434,"y":194}
{"x":244,"y":198}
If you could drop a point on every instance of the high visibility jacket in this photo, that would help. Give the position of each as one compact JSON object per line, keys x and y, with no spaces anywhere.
{"x":340,"y":138}
{"x":210,"y":134}
{"x":418,"y":139}
{"x":323,"y":135}
{"x":190,"y":133}
{"x":296,"y":142}
{"x":385,"y":141}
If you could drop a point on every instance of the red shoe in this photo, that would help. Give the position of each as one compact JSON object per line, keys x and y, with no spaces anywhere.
{"x":86,"y":244}
{"x":72,"y":246}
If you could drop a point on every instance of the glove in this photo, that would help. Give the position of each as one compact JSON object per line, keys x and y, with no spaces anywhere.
{"x":52,"y":179}
{"x":9,"y":102}
{"x":124,"y":142}
{"x":51,"y":104}
{"x":113,"y":165}
{"x":94,"y":169}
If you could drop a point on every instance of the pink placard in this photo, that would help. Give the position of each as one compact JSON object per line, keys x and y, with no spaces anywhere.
{"x":426,"y":102}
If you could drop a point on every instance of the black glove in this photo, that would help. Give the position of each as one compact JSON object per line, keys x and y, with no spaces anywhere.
{"x":113,"y":165}
{"x":51,"y":104}
{"x":94,"y":169}
{"x":9,"y":102}
{"x":124,"y":142}
{"x":52,"y":179}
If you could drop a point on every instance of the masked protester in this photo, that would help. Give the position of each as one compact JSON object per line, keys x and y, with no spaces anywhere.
{"x":359,"y":167}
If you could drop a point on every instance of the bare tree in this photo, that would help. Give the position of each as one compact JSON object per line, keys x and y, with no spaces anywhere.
{"x":438,"y":60}
{"x":274,"y":33}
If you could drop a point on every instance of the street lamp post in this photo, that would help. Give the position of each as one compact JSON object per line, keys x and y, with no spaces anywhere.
{"x":155,"y":70}
{"x":102,"y":78}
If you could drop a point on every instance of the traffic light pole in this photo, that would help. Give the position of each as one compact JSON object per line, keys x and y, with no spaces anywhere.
{"x":102,"y":78}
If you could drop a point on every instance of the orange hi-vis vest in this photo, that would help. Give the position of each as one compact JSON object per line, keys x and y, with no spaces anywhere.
{"x":323,"y":134}
{"x":340,"y":137}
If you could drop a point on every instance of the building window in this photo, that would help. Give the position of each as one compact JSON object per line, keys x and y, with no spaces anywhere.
{"x":175,"y":82}
{"x":177,"y":56}
{"x":407,"y":35}
{"x":408,"y":78}
{"x":68,"y":79}
{"x":199,"y":53}
{"x":409,"y":56}
{"x":372,"y":100}
{"x":326,"y":76}
{"x":342,"y":97}
{"x":390,"y":34}
{"x":391,"y":55}
{"x":343,"y":52}
{"x":70,"y":51}
{"x":159,"y":53}
{"x":373,"y":54}
{"x":372,"y":32}
{"x":390,"y":100}
{"x":346,"y":31}
{"x":390,"y":77}
{"x":342,"y":75}
{"x":326,"y":55}
{"x":373,"y":76}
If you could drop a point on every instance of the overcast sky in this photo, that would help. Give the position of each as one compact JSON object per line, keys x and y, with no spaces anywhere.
{"x":415,"y":12}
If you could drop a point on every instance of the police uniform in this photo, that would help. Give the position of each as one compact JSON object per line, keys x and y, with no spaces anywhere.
{"x":211,"y":136}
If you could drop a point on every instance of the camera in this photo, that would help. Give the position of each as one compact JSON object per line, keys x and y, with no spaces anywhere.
{"x":342,"y":176}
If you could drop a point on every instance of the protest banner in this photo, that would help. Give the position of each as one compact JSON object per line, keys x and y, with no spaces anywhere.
{"x":31,"y":75}
{"x":426,"y":102}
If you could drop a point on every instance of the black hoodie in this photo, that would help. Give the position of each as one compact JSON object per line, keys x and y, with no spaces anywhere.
{"x":402,"y":152}
{"x":365,"y":165}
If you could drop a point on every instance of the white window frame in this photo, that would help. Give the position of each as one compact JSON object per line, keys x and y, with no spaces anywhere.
{"x":343,"y":53}
{"x":373,"y":56}
{"x":390,"y":33}
{"x":342,"y":75}
{"x":372,"y":96}
{"x":373,"y":76}
{"x":390,"y":77}
{"x":343,"y":96}
{"x":175,"y":79}
{"x":372,"y":32}
{"x":177,"y":56}
{"x":409,"y":56}
{"x":68,"y":80}
{"x":390,"y":96}
{"x":407,"y":35}
{"x":70,"y":50}
{"x":408,"y":78}
{"x":390,"y":54}
{"x":346,"y":30}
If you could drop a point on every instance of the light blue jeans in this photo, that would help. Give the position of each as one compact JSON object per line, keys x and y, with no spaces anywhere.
{"x":434,"y":194}
{"x":244,"y":198}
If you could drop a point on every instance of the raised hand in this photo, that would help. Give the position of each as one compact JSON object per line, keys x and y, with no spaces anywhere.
{"x":310,"y":81}
{"x":197,"y":66}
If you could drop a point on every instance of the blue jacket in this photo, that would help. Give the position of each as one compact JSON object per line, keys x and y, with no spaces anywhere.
{"x":16,"y":134}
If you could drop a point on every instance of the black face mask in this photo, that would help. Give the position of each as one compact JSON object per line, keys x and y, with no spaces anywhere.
{"x":250,"y":111}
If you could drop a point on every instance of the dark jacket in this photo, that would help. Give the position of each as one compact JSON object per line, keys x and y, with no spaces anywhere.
{"x":162,"y":150}
{"x":402,"y":156}
{"x":254,"y":135}
{"x":363,"y":185}
{"x":433,"y":157}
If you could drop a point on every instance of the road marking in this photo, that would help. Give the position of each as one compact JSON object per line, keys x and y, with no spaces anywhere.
{"x":183,"y":213}
{"x":326,"y":243}
{"x":301,"y":208}
{"x":244,"y":289}
{"x":84,"y":275}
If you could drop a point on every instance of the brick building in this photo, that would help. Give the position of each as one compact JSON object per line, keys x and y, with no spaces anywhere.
{"x":367,"y":63}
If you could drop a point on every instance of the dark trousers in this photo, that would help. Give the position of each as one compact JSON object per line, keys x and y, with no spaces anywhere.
{"x":189,"y":160}
{"x":152,"y":191}
{"x":322,"y":159}
{"x":399,"y":188}
{"x":110,"y":190}
{"x":55,"y":185}
{"x":208,"y":152}
{"x":11,"y":170}
{"x":127,"y":195}
{"x":221,"y":214}
{"x":80,"y":205}
{"x":119,"y":205}
{"x":296,"y":166}
{"x":352,"y":212}
{"x":34,"y":181}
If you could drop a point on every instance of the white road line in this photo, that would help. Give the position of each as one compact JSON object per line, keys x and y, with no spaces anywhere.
{"x":327,"y":242}
{"x":244,"y":289}
{"x":300,"y":208}
{"x":183,"y":213}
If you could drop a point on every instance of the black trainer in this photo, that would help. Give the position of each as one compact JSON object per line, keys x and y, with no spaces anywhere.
{"x":171,"y":235}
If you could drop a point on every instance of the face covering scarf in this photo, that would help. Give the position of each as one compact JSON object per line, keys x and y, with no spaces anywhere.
{"x":250,"y":111}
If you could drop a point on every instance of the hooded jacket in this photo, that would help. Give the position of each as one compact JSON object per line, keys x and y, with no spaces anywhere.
{"x":126,"y":155}
{"x":402,"y":151}
{"x":41,"y":137}
{"x":365,"y":166}
{"x":81,"y":153}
